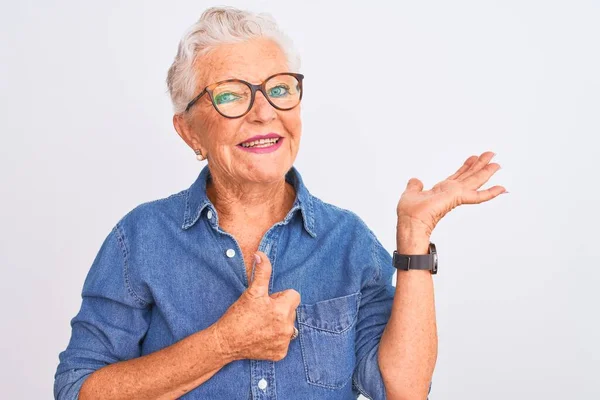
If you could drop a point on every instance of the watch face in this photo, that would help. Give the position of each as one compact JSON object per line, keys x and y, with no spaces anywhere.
{"x":433,"y":251}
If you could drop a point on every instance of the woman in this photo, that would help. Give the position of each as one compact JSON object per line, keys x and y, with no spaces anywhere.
{"x":245,"y":285}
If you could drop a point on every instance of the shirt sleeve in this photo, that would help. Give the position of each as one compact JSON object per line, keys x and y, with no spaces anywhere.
{"x":111,"y":323}
{"x":374,"y":312}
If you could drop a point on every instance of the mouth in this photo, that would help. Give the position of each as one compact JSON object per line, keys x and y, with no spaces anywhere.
{"x":262,"y":144}
{"x":261,"y":141}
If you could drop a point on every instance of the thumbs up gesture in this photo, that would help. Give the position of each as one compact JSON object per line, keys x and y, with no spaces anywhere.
{"x":259,"y":325}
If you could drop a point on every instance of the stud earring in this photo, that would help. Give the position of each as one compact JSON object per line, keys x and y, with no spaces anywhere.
{"x":199,"y":155}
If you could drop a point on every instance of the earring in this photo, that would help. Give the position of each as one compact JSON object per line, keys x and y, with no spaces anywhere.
{"x":199,"y":155}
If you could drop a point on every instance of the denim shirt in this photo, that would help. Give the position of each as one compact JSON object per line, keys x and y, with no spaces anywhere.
{"x":167,"y":270}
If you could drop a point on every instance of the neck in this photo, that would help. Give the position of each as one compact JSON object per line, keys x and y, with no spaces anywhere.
{"x":250,"y":202}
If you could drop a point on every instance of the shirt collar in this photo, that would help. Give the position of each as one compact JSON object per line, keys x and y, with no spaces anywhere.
{"x":196,"y":200}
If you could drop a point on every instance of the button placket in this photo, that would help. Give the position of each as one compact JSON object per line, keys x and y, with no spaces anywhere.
{"x":262,"y":372}
{"x":263,"y":379}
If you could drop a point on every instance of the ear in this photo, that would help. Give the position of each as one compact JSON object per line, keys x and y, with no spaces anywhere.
{"x":185,"y":132}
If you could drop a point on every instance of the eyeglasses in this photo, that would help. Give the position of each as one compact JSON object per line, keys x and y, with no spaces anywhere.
{"x":233,"y":98}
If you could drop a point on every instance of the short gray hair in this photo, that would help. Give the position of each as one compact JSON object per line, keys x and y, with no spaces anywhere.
{"x":220,"y":25}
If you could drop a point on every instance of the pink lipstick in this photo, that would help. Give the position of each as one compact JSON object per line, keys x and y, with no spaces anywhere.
{"x":270,"y":142}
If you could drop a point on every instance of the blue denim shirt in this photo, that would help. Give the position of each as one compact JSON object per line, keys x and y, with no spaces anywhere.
{"x":167,"y":270}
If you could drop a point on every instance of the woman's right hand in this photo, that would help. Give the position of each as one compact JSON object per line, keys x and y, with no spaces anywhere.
{"x":259,"y":325}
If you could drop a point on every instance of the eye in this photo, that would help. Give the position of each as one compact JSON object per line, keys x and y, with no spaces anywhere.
{"x":226,"y":97}
{"x":279,"y":90}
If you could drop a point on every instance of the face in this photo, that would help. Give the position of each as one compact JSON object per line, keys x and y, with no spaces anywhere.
{"x":202,"y":127}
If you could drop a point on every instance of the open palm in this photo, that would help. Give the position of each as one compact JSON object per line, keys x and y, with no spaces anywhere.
{"x":427,"y":207}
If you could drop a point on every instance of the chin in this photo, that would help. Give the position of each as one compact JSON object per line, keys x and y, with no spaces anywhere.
{"x":268,"y":172}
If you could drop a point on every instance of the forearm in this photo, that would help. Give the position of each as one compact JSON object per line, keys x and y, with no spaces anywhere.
{"x":165,"y":374}
{"x":408,"y":348}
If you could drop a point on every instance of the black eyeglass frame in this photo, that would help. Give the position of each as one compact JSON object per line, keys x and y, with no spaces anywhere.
{"x":253,"y":89}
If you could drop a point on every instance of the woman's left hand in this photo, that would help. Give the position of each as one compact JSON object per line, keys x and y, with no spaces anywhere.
{"x":420,"y":210}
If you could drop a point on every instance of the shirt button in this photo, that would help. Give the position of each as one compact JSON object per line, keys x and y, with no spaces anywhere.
{"x":209,"y":214}
{"x":230,"y":253}
{"x":262,"y":384}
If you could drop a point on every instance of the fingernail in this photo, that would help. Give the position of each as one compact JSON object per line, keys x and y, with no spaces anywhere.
{"x":506,"y":191}
{"x":257,"y":258}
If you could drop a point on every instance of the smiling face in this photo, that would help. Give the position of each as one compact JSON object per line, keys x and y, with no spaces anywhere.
{"x":202,"y":127}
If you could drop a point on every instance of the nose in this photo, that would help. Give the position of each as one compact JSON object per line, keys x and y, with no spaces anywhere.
{"x":262,"y":110}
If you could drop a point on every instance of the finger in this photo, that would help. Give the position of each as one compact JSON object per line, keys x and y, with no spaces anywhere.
{"x":414,"y":185}
{"x":481,"y":162}
{"x":480,"y":177}
{"x":287,"y":302}
{"x":468,"y":162}
{"x":288,"y":296}
{"x":476,"y":197}
{"x":292,"y":326}
{"x":262,"y":275}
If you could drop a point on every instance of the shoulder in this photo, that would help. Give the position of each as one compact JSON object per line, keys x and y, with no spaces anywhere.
{"x":329,"y":216}
{"x":351,"y":233}
{"x":154,"y":215}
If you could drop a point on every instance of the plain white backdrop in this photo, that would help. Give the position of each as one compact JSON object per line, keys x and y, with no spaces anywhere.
{"x":392,"y":90}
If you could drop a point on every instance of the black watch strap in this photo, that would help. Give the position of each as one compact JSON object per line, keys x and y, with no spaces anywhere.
{"x":407,"y":262}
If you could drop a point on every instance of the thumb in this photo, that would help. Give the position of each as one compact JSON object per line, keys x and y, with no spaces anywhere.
{"x":414,"y":185}
{"x":261,"y":276}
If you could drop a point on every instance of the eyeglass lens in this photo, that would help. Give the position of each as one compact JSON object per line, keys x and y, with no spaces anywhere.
{"x":233,"y":98}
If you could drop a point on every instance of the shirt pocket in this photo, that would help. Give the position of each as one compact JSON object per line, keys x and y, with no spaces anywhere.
{"x":327,"y":333}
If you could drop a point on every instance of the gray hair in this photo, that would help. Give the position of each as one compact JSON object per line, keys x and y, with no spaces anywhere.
{"x":220,"y":25}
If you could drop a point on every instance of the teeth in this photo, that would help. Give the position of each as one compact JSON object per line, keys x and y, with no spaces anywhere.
{"x":261,"y":143}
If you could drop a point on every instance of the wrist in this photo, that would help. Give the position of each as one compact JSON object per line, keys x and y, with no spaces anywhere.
{"x":222,"y":344}
{"x":411,"y":245}
{"x":412,"y":239}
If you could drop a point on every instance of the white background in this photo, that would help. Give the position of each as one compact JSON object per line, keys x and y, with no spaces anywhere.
{"x":393,"y":90}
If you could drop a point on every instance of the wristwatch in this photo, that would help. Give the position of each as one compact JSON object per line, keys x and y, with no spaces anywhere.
{"x":422,"y":261}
